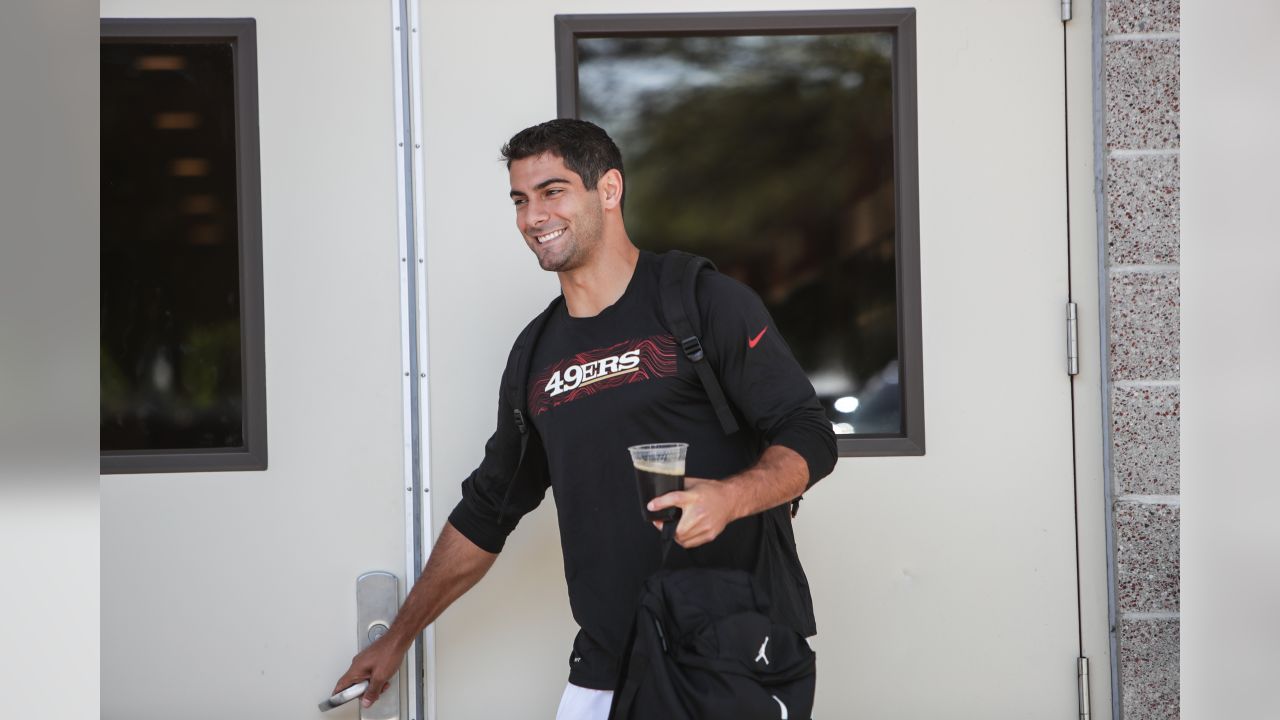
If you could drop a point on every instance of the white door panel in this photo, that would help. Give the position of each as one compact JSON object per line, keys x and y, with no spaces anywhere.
{"x":945,"y":585}
{"x":233,"y":594}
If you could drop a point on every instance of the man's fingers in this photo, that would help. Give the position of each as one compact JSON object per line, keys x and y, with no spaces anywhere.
{"x":346,"y":681}
{"x":685,"y":531}
{"x":693,"y":539}
{"x":376,"y":687}
{"x":683,"y":534}
{"x":371,"y":694}
{"x":676,"y":498}
{"x":694,"y":529}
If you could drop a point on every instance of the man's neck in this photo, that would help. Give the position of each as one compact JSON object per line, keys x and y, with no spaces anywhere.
{"x":600,"y":282}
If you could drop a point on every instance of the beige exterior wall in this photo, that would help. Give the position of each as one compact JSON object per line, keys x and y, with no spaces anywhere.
{"x":1231,"y":639}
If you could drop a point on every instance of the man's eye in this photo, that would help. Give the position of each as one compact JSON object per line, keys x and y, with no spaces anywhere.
{"x":518,"y":202}
{"x":555,"y":191}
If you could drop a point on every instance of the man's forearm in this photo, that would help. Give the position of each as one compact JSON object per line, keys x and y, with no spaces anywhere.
{"x":780,"y":475}
{"x":456,"y":564}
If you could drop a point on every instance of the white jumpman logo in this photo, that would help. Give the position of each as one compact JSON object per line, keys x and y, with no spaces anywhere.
{"x":760,"y":655}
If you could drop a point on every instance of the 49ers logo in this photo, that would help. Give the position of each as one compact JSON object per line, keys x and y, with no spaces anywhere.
{"x":575,"y":376}
{"x":595,"y":371}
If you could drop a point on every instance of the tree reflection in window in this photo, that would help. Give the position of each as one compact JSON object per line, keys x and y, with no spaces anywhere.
{"x":773,"y":156}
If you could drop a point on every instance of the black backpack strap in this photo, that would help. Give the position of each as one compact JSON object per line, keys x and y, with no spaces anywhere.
{"x":517,"y":389}
{"x":632,"y":670}
{"x":668,"y":538}
{"x":678,"y":287}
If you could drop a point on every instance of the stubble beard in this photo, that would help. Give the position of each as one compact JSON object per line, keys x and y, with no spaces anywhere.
{"x":568,"y":259}
{"x":585,"y":235}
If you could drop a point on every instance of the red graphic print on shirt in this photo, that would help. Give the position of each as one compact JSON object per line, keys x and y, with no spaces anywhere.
{"x":595,"y":371}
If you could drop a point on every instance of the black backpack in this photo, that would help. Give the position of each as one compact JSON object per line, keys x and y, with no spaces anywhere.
{"x":778,"y":567}
{"x":704,"y":647}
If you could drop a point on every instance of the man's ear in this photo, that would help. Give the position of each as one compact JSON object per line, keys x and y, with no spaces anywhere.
{"x":610,"y":187}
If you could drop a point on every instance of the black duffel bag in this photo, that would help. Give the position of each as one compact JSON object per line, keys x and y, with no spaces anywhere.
{"x":703,"y":647}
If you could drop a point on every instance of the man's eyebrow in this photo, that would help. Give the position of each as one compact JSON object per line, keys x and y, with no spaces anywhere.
{"x":543,"y":184}
{"x":551,"y":181}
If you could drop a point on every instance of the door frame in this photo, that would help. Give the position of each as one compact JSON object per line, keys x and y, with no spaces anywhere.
{"x":1086,"y":260}
{"x":410,"y":203}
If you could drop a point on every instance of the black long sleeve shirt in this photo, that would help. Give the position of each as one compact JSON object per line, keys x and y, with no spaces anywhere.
{"x":603,"y":383}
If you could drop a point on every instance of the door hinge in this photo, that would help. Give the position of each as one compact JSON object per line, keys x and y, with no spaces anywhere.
{"x":1066,"y":10}
{"x":1073,"y":340}
{"x":1082,"y":671}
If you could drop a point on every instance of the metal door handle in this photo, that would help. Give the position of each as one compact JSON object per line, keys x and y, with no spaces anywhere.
{"x":377,"y":598}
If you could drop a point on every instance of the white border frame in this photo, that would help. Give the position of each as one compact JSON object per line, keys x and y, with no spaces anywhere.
{"x":419,"y":531}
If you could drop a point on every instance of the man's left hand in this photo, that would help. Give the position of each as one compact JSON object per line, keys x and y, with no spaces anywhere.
{"x":707,"y":506}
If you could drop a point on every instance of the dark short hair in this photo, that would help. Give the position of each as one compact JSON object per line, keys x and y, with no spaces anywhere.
{"x":584,"y":147}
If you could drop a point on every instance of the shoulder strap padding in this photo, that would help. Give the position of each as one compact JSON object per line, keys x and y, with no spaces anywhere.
{"x":520,"y":363}
{"x":678,"y":288}
{"x":517,"y":387}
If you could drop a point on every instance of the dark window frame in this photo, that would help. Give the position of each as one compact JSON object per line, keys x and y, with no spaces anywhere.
{"x":242,"y":33}
{"x":901,"y":23}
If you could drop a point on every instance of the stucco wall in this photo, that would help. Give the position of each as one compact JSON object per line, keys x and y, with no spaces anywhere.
{"x":1140,"y":194}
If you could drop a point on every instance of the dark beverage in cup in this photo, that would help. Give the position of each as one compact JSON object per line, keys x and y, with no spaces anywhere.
{"x":659,"y":470}
{"x":654,"y":482}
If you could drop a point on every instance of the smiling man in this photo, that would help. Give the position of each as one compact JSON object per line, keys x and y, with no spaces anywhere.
{"x":606,"y":373}
{"x":567,"y":221}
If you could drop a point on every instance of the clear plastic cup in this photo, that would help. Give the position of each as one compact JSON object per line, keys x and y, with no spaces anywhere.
{"x":659,"y":470}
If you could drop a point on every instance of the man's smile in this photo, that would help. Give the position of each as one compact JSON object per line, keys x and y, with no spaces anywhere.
{"x":549,"y":236}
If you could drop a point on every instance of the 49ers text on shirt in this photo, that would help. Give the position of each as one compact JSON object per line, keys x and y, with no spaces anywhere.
{"x":596,"y":371}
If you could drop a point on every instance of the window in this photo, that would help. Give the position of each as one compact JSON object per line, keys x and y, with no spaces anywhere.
{"x":182,"y":386}
{"x":782,"y":146}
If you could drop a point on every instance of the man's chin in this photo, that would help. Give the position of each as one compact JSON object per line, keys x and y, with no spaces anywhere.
{"x":557,"y":263}
{"x":549,"y":263}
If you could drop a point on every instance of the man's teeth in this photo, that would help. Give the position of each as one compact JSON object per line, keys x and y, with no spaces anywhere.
{"x":550,"y":236}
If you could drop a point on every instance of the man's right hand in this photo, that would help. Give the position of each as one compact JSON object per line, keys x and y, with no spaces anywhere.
{"x":455,"y":565}
{"x":377,"y":664}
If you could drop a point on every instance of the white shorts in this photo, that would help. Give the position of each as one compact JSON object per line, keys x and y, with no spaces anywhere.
{"x":579,"y":703}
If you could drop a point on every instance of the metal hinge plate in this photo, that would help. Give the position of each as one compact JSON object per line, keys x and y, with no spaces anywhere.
{"x":1082,"y":672}
{"x":1073,"y":340}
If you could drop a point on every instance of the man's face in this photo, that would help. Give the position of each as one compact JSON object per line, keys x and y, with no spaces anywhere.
{"x":561,"y":220}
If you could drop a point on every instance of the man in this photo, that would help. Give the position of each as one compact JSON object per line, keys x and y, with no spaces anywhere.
{"x":606,"y":374}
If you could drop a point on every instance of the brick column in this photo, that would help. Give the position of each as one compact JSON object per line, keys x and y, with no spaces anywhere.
{"x":1140,"y":86}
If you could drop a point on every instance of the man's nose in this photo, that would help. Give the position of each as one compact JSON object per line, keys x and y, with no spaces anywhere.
{"x":535,"y":213}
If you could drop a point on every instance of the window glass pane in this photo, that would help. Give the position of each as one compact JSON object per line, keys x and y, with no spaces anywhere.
{"x":170,"y":297}
{"x":773,"y":156}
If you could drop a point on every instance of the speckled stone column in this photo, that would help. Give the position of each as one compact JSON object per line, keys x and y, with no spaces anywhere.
{"x":1140,"y":192}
